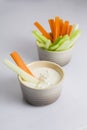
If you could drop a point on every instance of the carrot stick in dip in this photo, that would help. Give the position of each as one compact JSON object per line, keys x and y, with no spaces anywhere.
{"x":18,"y":60}
{"x":42,"y":30}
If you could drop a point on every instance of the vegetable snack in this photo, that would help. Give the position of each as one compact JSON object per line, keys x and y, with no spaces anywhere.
{"x":62,"y":36}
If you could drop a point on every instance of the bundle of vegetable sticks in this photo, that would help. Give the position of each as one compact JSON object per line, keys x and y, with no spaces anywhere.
{"x":62,"y":34}
{"x":21,"y":68}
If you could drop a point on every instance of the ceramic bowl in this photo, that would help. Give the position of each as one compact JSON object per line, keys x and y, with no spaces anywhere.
{"x":43,"y":96}
{"x":60,"y":57}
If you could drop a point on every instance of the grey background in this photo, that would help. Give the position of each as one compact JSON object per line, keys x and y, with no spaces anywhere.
{"x":16,"y":25}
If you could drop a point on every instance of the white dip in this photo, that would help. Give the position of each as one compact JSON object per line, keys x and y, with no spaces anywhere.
{"x":48,"y":77}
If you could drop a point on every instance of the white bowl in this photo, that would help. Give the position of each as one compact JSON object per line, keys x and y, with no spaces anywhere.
{"x":60,"y":57}
{"x":42,"y":96}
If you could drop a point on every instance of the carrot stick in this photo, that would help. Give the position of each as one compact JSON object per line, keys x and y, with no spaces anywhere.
{"x":61,"y":25}
{"x":52,"y":26}
{"x":42,"y":30}
{"x":65,"y":28}
{"x":70,"y":29}
{"x":18,"y":60}
{"x":51,"y":35}
{"x":57,"y":27}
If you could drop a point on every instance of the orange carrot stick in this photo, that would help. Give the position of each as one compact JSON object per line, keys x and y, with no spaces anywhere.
{"x":52,"y":26}
{"x":70,"y":29}
{"x":18,"y":60}
{"x":51,"y":34}
{"x":42,"y":30}
{"x":57,"y":27}
{"x":65,"y":28}
{"x":61,"y":25}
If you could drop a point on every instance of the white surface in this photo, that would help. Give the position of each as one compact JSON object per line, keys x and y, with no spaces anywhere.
{"x":16,"y":24}
{"x":83,"y":128}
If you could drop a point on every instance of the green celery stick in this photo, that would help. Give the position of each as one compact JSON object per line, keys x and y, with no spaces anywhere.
{"x":39,"y":35}
{"x":40,"y":44}
{"x":65,"y":38}
{"x":75,"y":34}
{"x":20,"y":72}
{"x":63,"y":46}
{"x":55,"y":44}
{"x":47,"y":44}
{"x":57,"y":40}
{"x":43,"y":39}
{"x":39,"y":41}
{"x":74,"y":37}
{"x":75,"y":27}
{"x":37,"y":38}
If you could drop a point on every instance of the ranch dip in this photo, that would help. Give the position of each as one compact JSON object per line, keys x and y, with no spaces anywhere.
{"x":48,"y":77}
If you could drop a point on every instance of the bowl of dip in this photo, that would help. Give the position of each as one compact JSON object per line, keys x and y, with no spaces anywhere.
{"x":51,"y":77}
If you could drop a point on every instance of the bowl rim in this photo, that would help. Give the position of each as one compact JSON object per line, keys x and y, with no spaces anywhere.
{"x":47,"y":88}
{"x":63,"y":51}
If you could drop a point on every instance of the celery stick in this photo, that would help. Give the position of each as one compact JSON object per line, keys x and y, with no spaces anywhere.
{"x":75,"y":35}
{"x":40,"y":44}
{"x":37,"y":38}
{"x":21,"y":72}
{"x":75,"y":27}
{"x":57,"y":40}
{"x":63,"y":46}
{"x":42,"y":38}
{"x":69,"y":43}
{"x":47,"y":44}
{"x":64,"y":39}
{"x":39,"y":41}
{"x":55,"y":44}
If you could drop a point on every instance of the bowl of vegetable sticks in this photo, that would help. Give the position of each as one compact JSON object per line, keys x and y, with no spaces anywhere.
{"x":56,"y":46}
{"x":40,"y":81}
